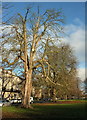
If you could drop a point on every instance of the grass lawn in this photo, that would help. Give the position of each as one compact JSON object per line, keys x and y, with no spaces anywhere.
{"x":42,"y":111}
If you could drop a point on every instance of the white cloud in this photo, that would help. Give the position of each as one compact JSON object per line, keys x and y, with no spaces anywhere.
{"x":5,"y":29}
{"x":82,"y":73}
{"x":76,"y":38}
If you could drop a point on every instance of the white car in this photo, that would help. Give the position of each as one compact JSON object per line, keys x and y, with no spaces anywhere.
{"x":31,"y":99}
{"x":15,"y":101}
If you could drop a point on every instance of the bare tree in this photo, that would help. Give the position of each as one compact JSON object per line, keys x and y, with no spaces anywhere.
{"x":25,"y":42}
{"x":61,"y":71}
{"x":63,"y":64}
{"x":85,"y":82}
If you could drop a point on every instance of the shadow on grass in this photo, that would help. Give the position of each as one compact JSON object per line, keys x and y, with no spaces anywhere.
{"x":47,"y":112}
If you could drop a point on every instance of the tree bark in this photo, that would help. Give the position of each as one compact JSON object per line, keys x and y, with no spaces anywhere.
{"x":28,"y":88}
{"x":28,"y":73}
{"x":28,"y":66}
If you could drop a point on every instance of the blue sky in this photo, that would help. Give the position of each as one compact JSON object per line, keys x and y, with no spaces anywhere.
{"x":74,"y":13}
{"x":71,"y":10}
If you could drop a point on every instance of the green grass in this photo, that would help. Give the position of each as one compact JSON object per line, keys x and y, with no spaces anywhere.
{"x":75,"y":111}
{"x":74,"y":100}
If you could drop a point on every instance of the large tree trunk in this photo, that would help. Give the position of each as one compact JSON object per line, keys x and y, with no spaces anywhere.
{"x":28,"y":69}
{"x":28,"y":88}
{"x":28,"y":72}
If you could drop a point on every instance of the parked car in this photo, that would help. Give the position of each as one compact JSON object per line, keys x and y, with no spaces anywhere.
{"x":15,"y":101}
{"x":31,"y":100}
{"x":47,"y":99}
{"x":4,"y":103}
{"x":19,"y":101}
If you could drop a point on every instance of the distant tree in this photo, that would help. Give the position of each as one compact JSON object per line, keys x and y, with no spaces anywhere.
{"x":85,"y":82}
{"x":63,"y":72}
{"x":63,"y":64}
